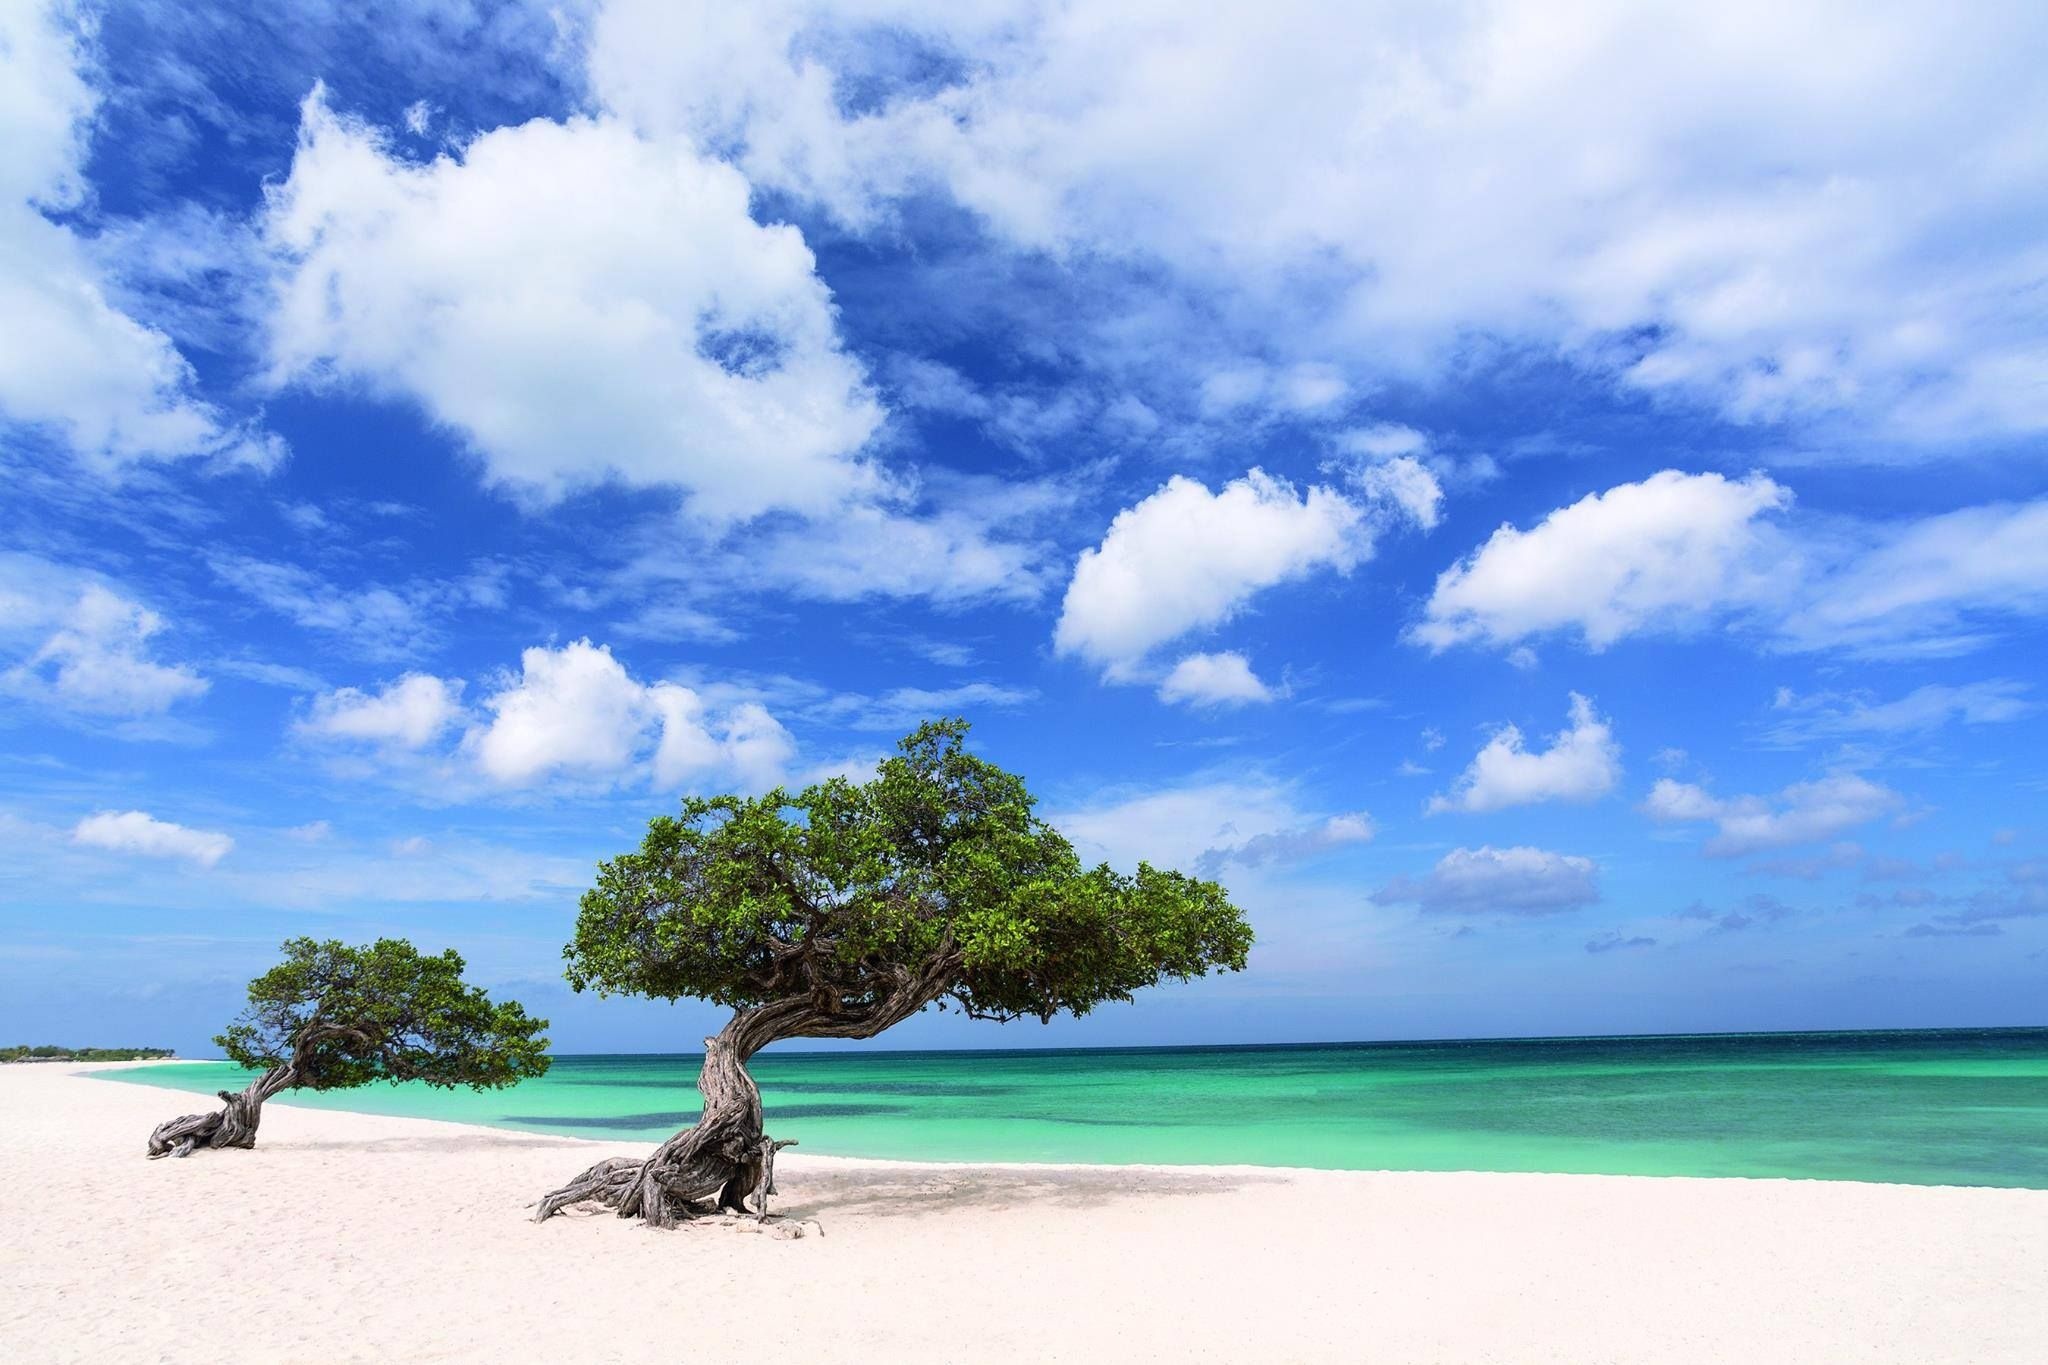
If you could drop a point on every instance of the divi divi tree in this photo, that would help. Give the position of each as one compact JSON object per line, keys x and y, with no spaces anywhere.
{"x":840,"y":911}
{"x":333,"y":1017}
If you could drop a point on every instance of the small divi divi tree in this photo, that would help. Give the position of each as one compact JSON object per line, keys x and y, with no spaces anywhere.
{"x":333,"y":1017}
{"x":842,"y":910}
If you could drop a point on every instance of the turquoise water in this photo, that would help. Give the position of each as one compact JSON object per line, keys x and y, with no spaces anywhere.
{"x":1966,"y":1107}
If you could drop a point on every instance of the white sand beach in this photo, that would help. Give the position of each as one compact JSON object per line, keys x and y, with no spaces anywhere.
{"x":349,"y":1237}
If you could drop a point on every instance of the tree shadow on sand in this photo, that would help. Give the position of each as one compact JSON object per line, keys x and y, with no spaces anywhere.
{"x":913,"y":1192}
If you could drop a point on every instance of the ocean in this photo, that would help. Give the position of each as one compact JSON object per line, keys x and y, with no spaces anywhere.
{"x":1942,"y":1107}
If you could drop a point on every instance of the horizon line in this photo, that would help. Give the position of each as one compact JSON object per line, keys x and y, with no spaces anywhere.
{"x":1321,"y":1043}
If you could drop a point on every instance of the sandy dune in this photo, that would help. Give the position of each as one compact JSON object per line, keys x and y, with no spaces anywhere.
{"x":350,"y":1237}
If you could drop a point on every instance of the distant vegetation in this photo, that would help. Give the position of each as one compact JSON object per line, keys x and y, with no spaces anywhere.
{"x":51,"y":1053}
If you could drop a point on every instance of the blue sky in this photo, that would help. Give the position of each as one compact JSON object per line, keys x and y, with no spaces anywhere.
{"x":1546,"y":504}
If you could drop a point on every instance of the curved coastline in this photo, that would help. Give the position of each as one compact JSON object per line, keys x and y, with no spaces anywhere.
{"x":1949,"y":1108}
{"x":311,"y":1230}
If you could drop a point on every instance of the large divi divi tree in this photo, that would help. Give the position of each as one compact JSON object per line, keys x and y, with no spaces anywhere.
{"x":840,"y":911}
{"x":334,"y":1017}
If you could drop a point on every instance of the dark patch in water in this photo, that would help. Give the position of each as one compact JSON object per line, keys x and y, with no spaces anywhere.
{"x":1148,"y":1121}
{"x":964,"y":1089}
{"x":630,"y":1122}
{"x":679,"y":1080}
{"x":620,"y":1121}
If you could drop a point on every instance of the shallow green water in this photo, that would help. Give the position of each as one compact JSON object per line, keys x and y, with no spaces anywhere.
{"x":1950,"y":1107}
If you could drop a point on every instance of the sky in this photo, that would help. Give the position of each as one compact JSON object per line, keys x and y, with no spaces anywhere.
{"x":1545,"y":503}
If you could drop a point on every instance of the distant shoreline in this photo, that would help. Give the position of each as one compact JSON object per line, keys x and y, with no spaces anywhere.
{"x":51,"y":1053}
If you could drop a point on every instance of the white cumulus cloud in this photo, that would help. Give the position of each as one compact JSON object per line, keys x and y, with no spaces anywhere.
{"x":138,"y":832}
{"x":1668,"y":552}
{"x":411,"y":712}
{"x":1680,"y":552}
{"x":576,"y":712}
{"x":1224,"y":679}
{"x":744,"y":740}
{"x":1186,"y":558}
{"x":1583,"y":762}
{"x":570,"y":710}
{"x":578,"y":302}
{"x":571,"y":716}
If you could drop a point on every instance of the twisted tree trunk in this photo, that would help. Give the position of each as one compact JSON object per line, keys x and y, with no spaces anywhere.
{"x":713,"y":1166}
{"x":233,"y":1126}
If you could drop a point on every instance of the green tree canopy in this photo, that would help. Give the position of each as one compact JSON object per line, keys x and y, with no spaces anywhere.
{"x":841,"y":910}
{"x":937,"y":864}
{"x":333,"y":1017}
{"x":343,"y":1016}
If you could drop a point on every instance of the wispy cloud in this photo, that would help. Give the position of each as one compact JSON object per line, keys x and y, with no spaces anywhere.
{"x":1506,"y":881}
{"x":1208,"y":825}
{"x":1802,"y":813}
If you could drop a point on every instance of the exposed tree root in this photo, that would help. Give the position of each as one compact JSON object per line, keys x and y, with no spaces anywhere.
{"x":714,"y":1166}
{"x":686,"y":1178}
{"x":234,"y":1126}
